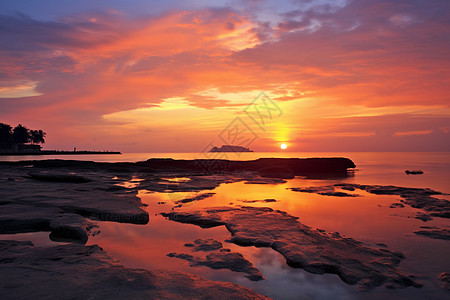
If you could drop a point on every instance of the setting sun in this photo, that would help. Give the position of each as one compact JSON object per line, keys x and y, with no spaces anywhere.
{"x":283,"y":146}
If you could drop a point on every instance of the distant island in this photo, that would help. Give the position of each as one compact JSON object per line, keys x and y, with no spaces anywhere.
{"x":23,"y":141}
{"x":230,"y":148}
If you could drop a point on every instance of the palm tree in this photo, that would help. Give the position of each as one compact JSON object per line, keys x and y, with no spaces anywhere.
{"x":37,"y":136}
{"x":5,"y":134}
{"x":21,"y":134}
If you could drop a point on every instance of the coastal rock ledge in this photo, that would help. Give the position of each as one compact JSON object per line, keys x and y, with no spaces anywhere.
{"x":303,"y":247}
{"x":87,"y":272}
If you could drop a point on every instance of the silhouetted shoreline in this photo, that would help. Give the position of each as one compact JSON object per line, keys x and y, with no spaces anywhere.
{"x":57,"y":152}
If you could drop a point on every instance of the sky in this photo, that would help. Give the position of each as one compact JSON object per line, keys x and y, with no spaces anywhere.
{"x":183,"y":76}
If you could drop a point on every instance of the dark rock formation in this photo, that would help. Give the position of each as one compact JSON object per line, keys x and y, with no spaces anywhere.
{"x":414,"y":172}
{"x":445,"y":280}
{"x":230,"y":148}
{"x":310,"y":167}
{"x":204,"y":245}
{"x":423,"y":217}
{"x":66,"y":227}
{"x":59,"y":202}
{"x":86,"y":272}
{"x":223,"y":260}
{"x":261,"y":201}
{"x":328,"y":190}
{"x":442,"y":234}
{"x":59,"y":177}
{"x":414,"y":197}
{"x":303,"y":247}
{"x":196,"y":198}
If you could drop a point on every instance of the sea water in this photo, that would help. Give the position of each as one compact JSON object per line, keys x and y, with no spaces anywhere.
{"x":367,"y":218}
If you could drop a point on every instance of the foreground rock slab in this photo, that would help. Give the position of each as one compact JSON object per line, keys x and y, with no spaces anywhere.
{"x":61,"y":201}
{"x":204,"y":245}
{"x":441,"y":234}
{"x":223,"y":260}
{"x":421,"y":198}
{"x":445,"y":280}
{"x":327,"y":190}
{"x":87,"y":272}
{"x":303,"y":247}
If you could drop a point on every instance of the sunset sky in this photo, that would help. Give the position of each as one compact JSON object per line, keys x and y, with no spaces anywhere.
{"x":179,"y":76}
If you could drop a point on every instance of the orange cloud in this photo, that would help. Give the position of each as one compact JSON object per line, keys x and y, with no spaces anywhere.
{"x":340,"y":72}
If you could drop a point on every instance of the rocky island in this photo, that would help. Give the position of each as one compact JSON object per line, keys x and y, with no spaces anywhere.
{"x":230,"y":148}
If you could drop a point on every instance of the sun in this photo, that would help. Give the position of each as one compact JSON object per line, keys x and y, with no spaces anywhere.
{"x":283,"y":146}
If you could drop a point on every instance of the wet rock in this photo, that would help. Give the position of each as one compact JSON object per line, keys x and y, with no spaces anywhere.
{"x":348,"y":188}
{"x":423,"y":217}
{"x":338,"y":194}
{"x":442,"y":234}
{"x":420,"y":198}
{"x":59,"y":177}
{"x":263,"y":180}
{"x":87,"y":272}
{"x":223,"y":260}
{"x":63,"y":226}
{"x":445,"y":280}
{"x":327,"y":190}
{"x":395,"y":205}
{"x":313,"y":189}
{"x":63,"y":207}
{"x":90,"y":200}
{"x":261,"y":201}
{"x":272,"y":167}
{"x":303,"y":247}
{"x":204,"y":245}
{"x":196,"y":198}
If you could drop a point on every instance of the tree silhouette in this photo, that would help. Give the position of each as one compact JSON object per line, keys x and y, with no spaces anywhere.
{"x":21,"y":134}
{"x":37,"y":136}
{"x":10,"y":137}
{"x":5,"y":133}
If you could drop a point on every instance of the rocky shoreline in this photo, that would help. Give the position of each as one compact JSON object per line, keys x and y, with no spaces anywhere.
{"x":70,"y":199}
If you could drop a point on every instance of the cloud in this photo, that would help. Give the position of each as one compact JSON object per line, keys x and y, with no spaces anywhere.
{"x":378,"y":53}
{"x":389,"y":57}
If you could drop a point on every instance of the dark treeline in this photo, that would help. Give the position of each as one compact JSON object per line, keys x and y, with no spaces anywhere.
{"x":20,"y":134}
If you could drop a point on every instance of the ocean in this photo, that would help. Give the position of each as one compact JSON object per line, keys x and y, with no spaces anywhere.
{"x":367,"y":218}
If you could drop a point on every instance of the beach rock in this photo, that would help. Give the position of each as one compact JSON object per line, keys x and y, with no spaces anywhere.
{"x":261,"y":201}
{"x":420,"y":198}
{"x":423,"y":217}
{"x":271,"y":167}
{"x":204,"y":245}
{"x":223,"y":260}
{"x":59,"y":177}
{"x":86,"y":272}
{"x":328,"y":190}
{"x":261,"y":180}
{"x":70,"y":228}
{"x":338,"y":194}
{"x":94,"y":199}
{"x":397,"y":204}
{"x":63,"y":227}
{"x":63,"y":207}
{"x":445,"y":280}
{"x":196,"y":198}
{"x":303,"y":247}
{"x":442,"y":234}
{"x":313,"y":189}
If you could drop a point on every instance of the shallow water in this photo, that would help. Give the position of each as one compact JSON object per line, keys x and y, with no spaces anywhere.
{"x":367,"y":218}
